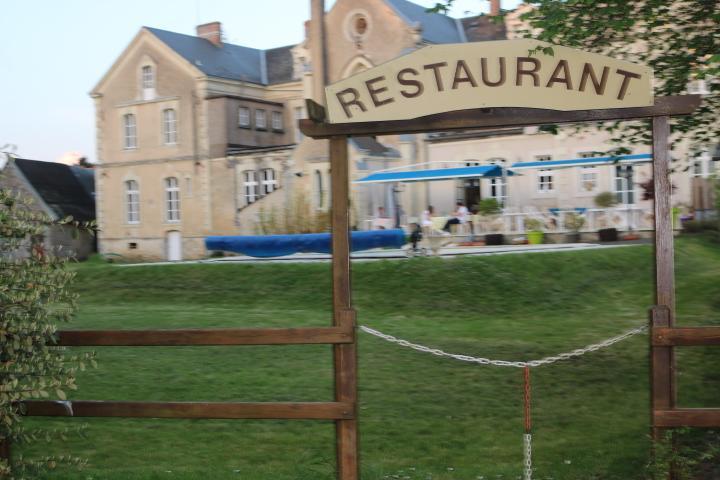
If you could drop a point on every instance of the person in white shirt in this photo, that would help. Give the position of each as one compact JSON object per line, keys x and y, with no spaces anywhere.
{"x":459,"y":216}
{"x":427,"y":216}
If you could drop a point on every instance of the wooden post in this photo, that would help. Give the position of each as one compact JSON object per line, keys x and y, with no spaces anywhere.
{"x":345,"y":355}
{"x":662,"y":359}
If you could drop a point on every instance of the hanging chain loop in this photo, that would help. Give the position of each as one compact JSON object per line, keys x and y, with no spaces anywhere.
{"x":504,"y":363}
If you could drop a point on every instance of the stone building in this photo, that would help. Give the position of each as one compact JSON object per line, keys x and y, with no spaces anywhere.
{"x":58,"y":191}
{"x":199,"y":137}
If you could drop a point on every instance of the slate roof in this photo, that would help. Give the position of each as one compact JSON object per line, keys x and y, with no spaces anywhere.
{"x":59,"y":187}
{"x":371,"y":146}
{"x":233,"y":62}
{"x":436,"y":28}
{"x":482,"y":28}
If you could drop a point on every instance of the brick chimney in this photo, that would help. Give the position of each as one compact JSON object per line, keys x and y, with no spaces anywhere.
{"x":494,"y":7}
{"x":211,"y":32}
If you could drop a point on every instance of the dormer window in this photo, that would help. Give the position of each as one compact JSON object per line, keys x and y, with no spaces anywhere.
{"x":147,"y":80}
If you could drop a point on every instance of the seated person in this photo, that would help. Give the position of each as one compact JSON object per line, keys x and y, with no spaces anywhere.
{"x":459,"y":216}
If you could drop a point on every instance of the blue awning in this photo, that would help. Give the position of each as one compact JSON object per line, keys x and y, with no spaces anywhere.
{"x":491,"y":171}
{"x":585,"y":162}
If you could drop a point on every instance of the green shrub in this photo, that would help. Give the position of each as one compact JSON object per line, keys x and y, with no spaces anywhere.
{"x":574,"y":221}
{"x":698,"y":226}
{"x":34,"y":297}
{"x":533,"y":225}
{"x":488,"y":206}
{"x":605,"y":200}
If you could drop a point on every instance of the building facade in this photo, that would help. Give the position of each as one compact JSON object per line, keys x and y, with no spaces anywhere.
{"x":199,"y":137}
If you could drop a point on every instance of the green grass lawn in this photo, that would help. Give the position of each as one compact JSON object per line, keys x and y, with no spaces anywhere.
{"x":422,"y":417}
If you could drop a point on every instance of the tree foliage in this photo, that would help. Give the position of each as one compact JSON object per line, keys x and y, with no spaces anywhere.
{"x":35,"y":296}
{"x":679,"y":40}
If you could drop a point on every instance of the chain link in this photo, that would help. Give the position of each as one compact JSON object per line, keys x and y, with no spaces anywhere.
{"x":504,"y":363}
{"x":527,"y":456}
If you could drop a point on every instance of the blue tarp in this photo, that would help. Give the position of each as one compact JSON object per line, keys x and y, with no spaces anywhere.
{"x":281,"y":245}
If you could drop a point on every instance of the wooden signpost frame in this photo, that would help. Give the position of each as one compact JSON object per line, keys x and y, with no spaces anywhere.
{"x":342,"y":334}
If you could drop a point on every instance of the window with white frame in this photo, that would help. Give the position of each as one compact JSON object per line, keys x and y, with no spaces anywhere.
{"x":147,"y":81}
{"x":498,"y":185}
{"x":546,"y":180}
{"x":269,"y":182}
{"x":697,"y":170}
{"x":318,"y":189}
{"x":277,"y":123}
{"x":129,"y":131}
{"x":250,"y":186}
{"x":588,"y":179}
{"x":169,"y":126}
{"x":132,"y":201}
{"x":625,"y":184}
{"x":244,"y":117}
{"x":299,"y":115}
{"x":260,"y":120}
{"x":172,"y":199}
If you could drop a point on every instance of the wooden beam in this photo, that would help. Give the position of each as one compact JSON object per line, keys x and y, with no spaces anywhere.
{"x":688,"y":417}
{"x":283,"y":411}
{"x":345,"y":356}
{"x":664,"y":251}
{"x":686,"y":336}
{"x":498,"y":118}
{"x":187,"y":337}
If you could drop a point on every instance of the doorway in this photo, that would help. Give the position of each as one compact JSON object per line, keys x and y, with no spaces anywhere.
{"x":173,"y":243}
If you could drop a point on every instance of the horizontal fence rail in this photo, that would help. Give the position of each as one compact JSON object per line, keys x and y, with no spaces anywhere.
{"x":199,"y":410}
{"x":687,"y":417}
{"x":207,"y":337}
{"x":685,"y":336}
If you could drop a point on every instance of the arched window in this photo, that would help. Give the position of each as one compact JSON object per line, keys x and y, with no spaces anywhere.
{"x":129,"y":131}
{"x":250,"y":184}
{"x":147,"y":82}
{"x":318,"y":191}
{"x":269,"y":182}
{"x":172,"y":200}
{"x":169,"y":126}
{"x":132,"y":201}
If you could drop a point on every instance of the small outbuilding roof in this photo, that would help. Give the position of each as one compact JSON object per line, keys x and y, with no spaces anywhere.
{"x":60,"y":188}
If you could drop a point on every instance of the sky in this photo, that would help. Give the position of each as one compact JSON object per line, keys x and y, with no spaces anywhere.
{"x":54,"y":52}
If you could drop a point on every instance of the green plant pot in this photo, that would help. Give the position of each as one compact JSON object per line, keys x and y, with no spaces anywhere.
{"x":535,"y":237}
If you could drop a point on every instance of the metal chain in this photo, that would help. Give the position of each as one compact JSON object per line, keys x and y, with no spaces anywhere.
{"x":504,"y":363}
{"x":527,"y":456}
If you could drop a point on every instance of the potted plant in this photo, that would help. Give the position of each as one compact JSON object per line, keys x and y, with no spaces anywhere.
{"x":606,"y":200}
{"x":534,"y":229}
{"x":489,"y":209}
{"x":574,"y":222}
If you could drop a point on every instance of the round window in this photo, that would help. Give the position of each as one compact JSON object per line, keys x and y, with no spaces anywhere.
{"x":360,"y":25}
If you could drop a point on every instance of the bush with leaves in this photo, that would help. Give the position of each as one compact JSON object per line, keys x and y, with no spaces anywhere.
{"x":35,"y":296}
{"x":488,"y":206}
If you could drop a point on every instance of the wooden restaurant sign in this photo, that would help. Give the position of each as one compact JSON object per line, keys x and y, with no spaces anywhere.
{"x":444,"y":78}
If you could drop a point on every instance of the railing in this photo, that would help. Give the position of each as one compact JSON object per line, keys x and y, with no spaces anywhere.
{"x":625,"y":218}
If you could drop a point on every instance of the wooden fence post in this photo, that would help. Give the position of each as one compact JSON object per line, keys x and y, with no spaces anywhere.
{"x":662,"y":366}
{"x":345,"y":355}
